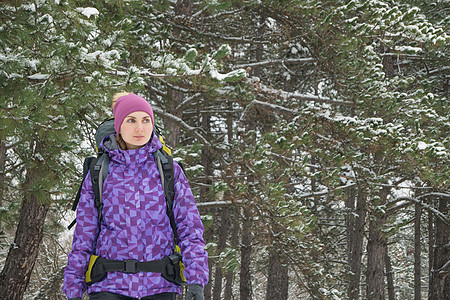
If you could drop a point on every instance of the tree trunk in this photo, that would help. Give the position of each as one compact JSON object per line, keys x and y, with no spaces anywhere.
{"x":183,"y":7}
{"x":389,"y":276}
{"x":431,"y":242}
{"x":175,"y":97}
{"x":234,"y":220}
{"x":355,"y":238}
{"x":234,"y":244}
{"x":23,"y":252}
{"x":2,"y":171}
{"x":246,"y":250}
{"x":376,"y":247}
{"x":277,"y":282}
{"x":259,"y":50}
{"x":417,"y":254}
{"x":206,"y":160}
{"x":223,"y":235}
{"x":440,"y":289}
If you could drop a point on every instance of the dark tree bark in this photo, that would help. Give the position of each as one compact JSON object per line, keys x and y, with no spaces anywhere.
{"x":417,"y":253}
{"x":183,"y":7}
{"x":234,"y":220}
{"x":388,"y":65}
{"x":234,"y":243}
{"x":175,"y":97}
{"x":209,"y":236}
{"x":355,"y":238}
{"x":440,"y":287}
{"x":375,"y":261}
{"x":431,"y":242}
{"x":389,"y":276}
{"x":259,"y":50}
{"x":23,"y":252}
{"x":2,"y":171}
{"x":246,"y":250}
{"x":277,"y":282}
{"x":206,"y":161}
{"x":376,"y":247}
{"x":223,"y":235}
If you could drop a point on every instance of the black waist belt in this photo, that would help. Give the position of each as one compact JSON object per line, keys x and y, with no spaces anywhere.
{"x":169,"y":267}
{"x":134,"y":266}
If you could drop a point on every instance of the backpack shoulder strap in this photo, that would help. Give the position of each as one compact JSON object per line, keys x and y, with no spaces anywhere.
{"x":166,"y":172}
{"x":86,"y":167}
{"x":99,"y":170}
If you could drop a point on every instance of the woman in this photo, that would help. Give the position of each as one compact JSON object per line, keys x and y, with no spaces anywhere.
{"x":134,"y":225}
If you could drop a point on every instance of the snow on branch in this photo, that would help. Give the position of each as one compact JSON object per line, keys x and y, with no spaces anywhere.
{"x":217,"y":15}
{"x":276,"y":62}
{"x":218,"y":203}
{"x":183,"y":124}
{"x":274,"y":106}
{"x":187,"y":100}
{"x":444,"y":268}
{"x":326,"y":191}
{"x":235,"y":39}
{"x":267,"y":105}
{"x":288,"y":95}
{"x":436,"y":212}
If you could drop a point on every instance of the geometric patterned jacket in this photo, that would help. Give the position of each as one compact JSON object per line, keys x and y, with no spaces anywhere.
{"x":135,"y":226}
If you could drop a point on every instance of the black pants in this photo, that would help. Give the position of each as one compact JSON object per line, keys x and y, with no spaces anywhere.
{"x":112,"y":296}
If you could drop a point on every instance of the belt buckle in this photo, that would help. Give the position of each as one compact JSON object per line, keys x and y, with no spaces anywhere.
{"x":130,"y":266}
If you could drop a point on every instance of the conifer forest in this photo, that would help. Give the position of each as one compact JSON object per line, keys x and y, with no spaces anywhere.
{"x":315,"y":135}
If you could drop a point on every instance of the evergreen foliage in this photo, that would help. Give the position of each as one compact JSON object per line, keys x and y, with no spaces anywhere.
{"x":299,"y":119}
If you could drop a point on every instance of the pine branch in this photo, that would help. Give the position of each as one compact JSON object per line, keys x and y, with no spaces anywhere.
{"x":234,"y":39}
{"x":187,"y":100}
{"x":288,"y":95}
{"x":326,"y":192}
{"x":181,"y":123}
{"x":215,"y":16}
{"x":217,"y":204}
{"x":276,"y":62}
{"x":412,"y":200}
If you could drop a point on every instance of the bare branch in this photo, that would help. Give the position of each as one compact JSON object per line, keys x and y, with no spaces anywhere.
{"x":327,"y":192}
{"x":220,"y":14}
{"x":303,"y":97}
{"x":276,"y":62}
{"x":188,"y":100}
{"x":218,"y":203}
{"x":190,"y":129}
{"x":436,"y":212}
{"x":274,"y":106}
{"x":234,"y":39}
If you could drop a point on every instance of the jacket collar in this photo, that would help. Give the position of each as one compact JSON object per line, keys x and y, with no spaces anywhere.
{"x":137,"y":156}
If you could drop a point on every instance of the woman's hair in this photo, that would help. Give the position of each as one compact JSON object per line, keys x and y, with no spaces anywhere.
{"x":117,"y":96}
{"x":121,"y":142}
{"x":119,"y":138}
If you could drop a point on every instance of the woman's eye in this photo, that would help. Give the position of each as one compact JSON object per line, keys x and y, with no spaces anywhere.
{"x":146,"y":120}
{"x":130,"y":121}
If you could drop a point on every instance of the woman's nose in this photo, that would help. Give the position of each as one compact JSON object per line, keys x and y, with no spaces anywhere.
{"x":139,"y":127}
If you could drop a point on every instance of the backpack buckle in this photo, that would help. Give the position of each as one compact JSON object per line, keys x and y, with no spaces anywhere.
{"x":130,"y":266}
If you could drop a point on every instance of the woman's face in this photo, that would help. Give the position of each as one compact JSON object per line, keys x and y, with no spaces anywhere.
{"x":136,"y":129}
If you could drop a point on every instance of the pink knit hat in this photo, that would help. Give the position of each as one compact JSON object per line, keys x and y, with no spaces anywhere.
{"x":127,"y":104}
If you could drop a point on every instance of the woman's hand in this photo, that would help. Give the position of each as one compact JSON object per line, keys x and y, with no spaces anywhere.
{"x":195,"y":291}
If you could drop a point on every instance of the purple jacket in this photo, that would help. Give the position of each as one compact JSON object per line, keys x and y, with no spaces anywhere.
{"x":135,"y":226}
